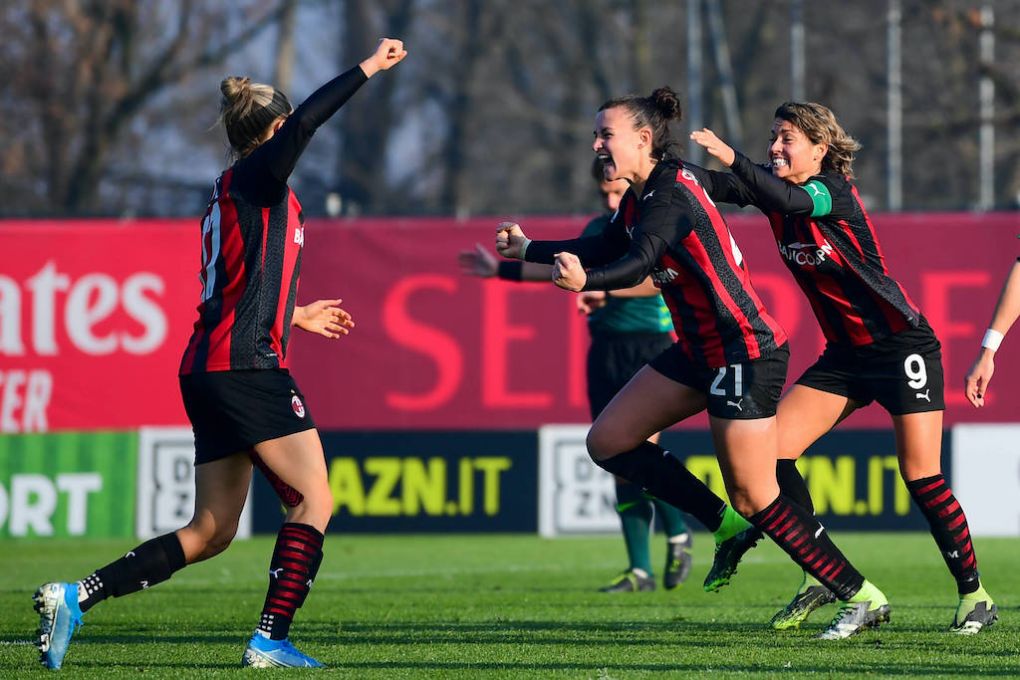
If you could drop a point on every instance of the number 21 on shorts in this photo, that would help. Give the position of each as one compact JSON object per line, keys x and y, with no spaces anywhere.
{"x":737,"y":371}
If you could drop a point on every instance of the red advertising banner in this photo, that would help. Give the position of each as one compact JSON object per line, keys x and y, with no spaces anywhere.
{"x":94,"y":316}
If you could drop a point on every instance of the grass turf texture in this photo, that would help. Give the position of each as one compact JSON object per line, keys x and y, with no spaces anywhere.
{"x":513,"y":606}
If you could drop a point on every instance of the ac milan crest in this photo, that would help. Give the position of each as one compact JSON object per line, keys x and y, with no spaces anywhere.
{"x":299,"y":408}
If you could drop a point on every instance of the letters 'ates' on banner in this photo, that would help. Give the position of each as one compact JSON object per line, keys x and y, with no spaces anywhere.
{"x":420,"y":482}
{"x":94,"y":316}
{"x":852,"y":476}
{"x":67,"y":484}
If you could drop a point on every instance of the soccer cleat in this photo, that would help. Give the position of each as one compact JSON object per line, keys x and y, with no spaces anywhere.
{"x":678,"y":562}
{"x":727,"y":556}
{"x":974,"y":614}
{"x":263,"y":652}
{"x":870,"y":610}
{"x":59,"y":617}
{"x":629,"y":582}
{"x":810,"y":596}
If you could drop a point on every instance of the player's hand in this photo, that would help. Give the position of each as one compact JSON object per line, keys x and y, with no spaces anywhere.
{"x":590,"y":300}
{"x":976,"y":385}
{"x":388,"y":54}
{"x":715,"y":146}
{"x":478,"y":262}
{"x":323,"y":317}
{"x":568,"y":273}
{"x":511,"y":241}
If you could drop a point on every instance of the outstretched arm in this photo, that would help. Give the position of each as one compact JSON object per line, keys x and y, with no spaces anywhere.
{"x":592,"y":250}
{"x":769,"y":192}
{"x":281,"y":152}
{"x":1006,"y":312}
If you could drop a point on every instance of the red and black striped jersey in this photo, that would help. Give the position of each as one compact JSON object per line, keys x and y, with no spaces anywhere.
{"x":252,"y":237}
{"x":674,"y":232}
{"x":829,"y":243}
{"x":251,"y":262}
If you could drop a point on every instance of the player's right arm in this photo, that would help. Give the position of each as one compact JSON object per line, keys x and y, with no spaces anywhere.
{"x":593,"y":251}
{"x":1006,"y":312}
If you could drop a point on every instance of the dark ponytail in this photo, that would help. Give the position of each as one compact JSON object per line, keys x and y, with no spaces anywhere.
{"x":654,"y":112}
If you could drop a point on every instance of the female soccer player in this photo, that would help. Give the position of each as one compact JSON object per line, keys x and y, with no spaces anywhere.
{"x":879,"y":346}
{"x":1006,"y":312}
{"x":243,"y":405}
{"x":730,"y":358}
{"x":628,"y":329}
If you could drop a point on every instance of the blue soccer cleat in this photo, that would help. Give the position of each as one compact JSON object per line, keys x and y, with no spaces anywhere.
{"x":265,"y":653}
{"x":59,"y":617}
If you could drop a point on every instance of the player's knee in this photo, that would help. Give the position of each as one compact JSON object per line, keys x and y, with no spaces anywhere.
{"x":323,"y":506}
{"x":209,"y":537}
{"x":220,"y":540}
{"x":315,"y":509}
{"x":600,"y":443}
{"x":745,"y":501}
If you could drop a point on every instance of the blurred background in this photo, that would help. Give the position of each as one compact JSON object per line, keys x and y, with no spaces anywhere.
{"x":109,"y":107}
{"x":435,"y":412}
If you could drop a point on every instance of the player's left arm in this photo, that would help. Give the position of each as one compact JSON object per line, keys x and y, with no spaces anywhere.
{"x":1006,"y":312}
{"x":323,"y":317}
{"x":644,"y":289}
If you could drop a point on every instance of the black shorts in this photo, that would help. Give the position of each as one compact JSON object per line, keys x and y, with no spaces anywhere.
{"x":613,"y":359}
{"x":903,"y":372}
{"x":743,"y":391}
{"x":231,"y":411}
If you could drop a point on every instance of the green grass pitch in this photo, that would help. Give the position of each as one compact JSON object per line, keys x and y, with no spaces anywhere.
{"x":513,"y":607}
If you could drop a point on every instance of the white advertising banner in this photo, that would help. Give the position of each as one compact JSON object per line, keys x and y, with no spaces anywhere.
{"x":575,"y":496}
{"x":166,"y":482}
{"x":986,"y":477}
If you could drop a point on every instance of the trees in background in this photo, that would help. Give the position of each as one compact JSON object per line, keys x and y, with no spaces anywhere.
{"x":108,"y":106}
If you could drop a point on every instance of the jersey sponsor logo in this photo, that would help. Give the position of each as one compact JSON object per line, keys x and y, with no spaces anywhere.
{"x":665,"y":275}
{"x":299,"y":408}
{"x":805,"y":254}
{"x":299,"y":236}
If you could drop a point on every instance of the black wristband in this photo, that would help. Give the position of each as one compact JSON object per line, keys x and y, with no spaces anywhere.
{"x":510,"y":270}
